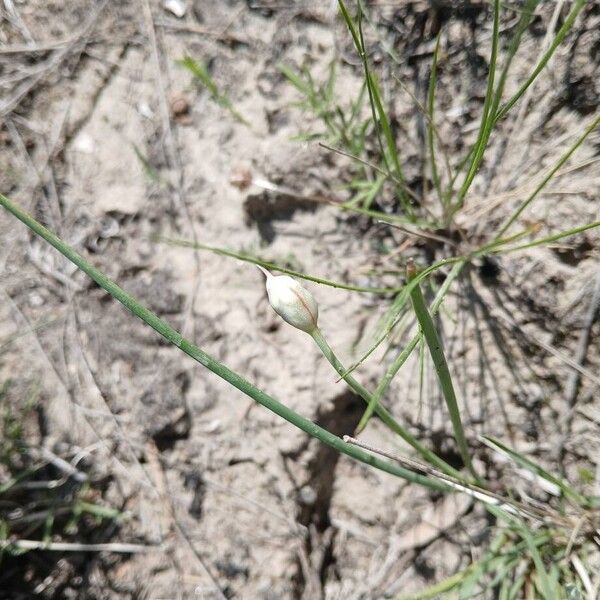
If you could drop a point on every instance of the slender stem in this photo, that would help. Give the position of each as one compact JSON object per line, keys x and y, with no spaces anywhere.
{"x":271,"y":266}
{"x":441,"y":367}
{"x":382,"y":413}
{"x":577,"y":6}
{"x":431,"y":125}
{"x":175,"y":338}
{"x":545,"y":240}
{"x":486,"y":118}
{"x":393,"y":369}
{"x":561,"y":161}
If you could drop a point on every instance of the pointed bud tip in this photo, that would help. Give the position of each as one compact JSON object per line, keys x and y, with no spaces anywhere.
{"x":265,"y":272}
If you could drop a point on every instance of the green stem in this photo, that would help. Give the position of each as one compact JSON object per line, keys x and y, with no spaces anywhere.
{"x":441,"y":367}
{"x":430,"y":124}
{"x":393,"y":369}
{"x":271,"y":266}
{"x":175,"y":338}
{"x":579,"y":4}
{"x":382,"y":413}
{"x":561,"y":161}
{"x":486,"y":119}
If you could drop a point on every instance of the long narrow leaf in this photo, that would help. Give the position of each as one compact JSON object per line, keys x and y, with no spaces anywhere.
{"x":430,"y":123}
{"x":486,"y":118}
{"x":579,"y":4}
{"x":273,"y":266}
{"x":199,"y":355}
{"x":380,"y":119}
{"x":443,"y":372}
{"x":201,"y":74}
{"x":382,"y":413}
{"x":561,"y":161}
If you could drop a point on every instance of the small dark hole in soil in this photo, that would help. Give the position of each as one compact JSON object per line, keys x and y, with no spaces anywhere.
{"x":195,"y":481}
{"x":423,"y":568}
{"x":447,"y":452}
{"x":166,"y":437}
{"x":581,"y":95}
{"x":489,"y":271}
{"x":574,"y":254}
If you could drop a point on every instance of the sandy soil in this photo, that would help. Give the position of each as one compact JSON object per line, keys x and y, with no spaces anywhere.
{"x":241,"y":504}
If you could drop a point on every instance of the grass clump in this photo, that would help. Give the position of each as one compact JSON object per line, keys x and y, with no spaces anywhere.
{"x":50,"y":506}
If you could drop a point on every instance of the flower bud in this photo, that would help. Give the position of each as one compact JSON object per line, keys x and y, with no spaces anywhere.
{"x":291,"y":301}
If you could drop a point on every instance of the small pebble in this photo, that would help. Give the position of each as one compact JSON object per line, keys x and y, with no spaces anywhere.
{"x":176,"y":7}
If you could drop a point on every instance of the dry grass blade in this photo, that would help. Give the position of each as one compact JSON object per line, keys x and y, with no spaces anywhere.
{"x":119,"y":548}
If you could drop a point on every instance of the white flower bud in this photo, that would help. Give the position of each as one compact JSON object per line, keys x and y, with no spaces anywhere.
{"x":291,"y":301}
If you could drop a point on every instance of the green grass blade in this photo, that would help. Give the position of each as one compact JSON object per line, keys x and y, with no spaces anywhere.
{"x":548,"y":585}
{"x":273,"y":266}
{"x":562,"y":32}
{"x":482,"y":567}
{"x":561,"y":161}
{"x":443,"y":372}
{"x":393,"y":369}
{"x":381,"y":122}
{"x":351,"y":27}
{"x":200,"y":356}
{"x":357,"y":38}
{"x":487,"y":118}
{"x":547,"y":240}
{"x":396,"y":316}
{"x":295,"y":79}
{"x":435,"y":591}
{"x":386,"y":381}
{"x":148,"y":168}
{"x":399,"y":306}
{"x":201,"y":74}
{"x":382,"y":413}
{"x":524,"y":22}
{"x":430,"y":122}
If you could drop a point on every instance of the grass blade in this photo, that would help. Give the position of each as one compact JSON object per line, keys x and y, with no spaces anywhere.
{"x":441,"y":367}
{"x":275,"y":267}
{"x":201,"y":74}
{"x":579,"y":4}
{"x":487,"y":118}
{"x":382,"y":413}
{"x":524,"y":22}
{"x":295,"y":79}
{"x":548,"y":584}
{"x":393,"y":369}
{"x":548,"y":239}
{"x":199,"y":355}
{"x":394,"y":320}
{"x":561,"y":161}
{"x":380,"y":120}
{"x":430,"y":123}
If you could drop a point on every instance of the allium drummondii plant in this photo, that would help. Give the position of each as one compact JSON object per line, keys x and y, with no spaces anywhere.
{"x":534,"y":549}
{"x":298,"y":307}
